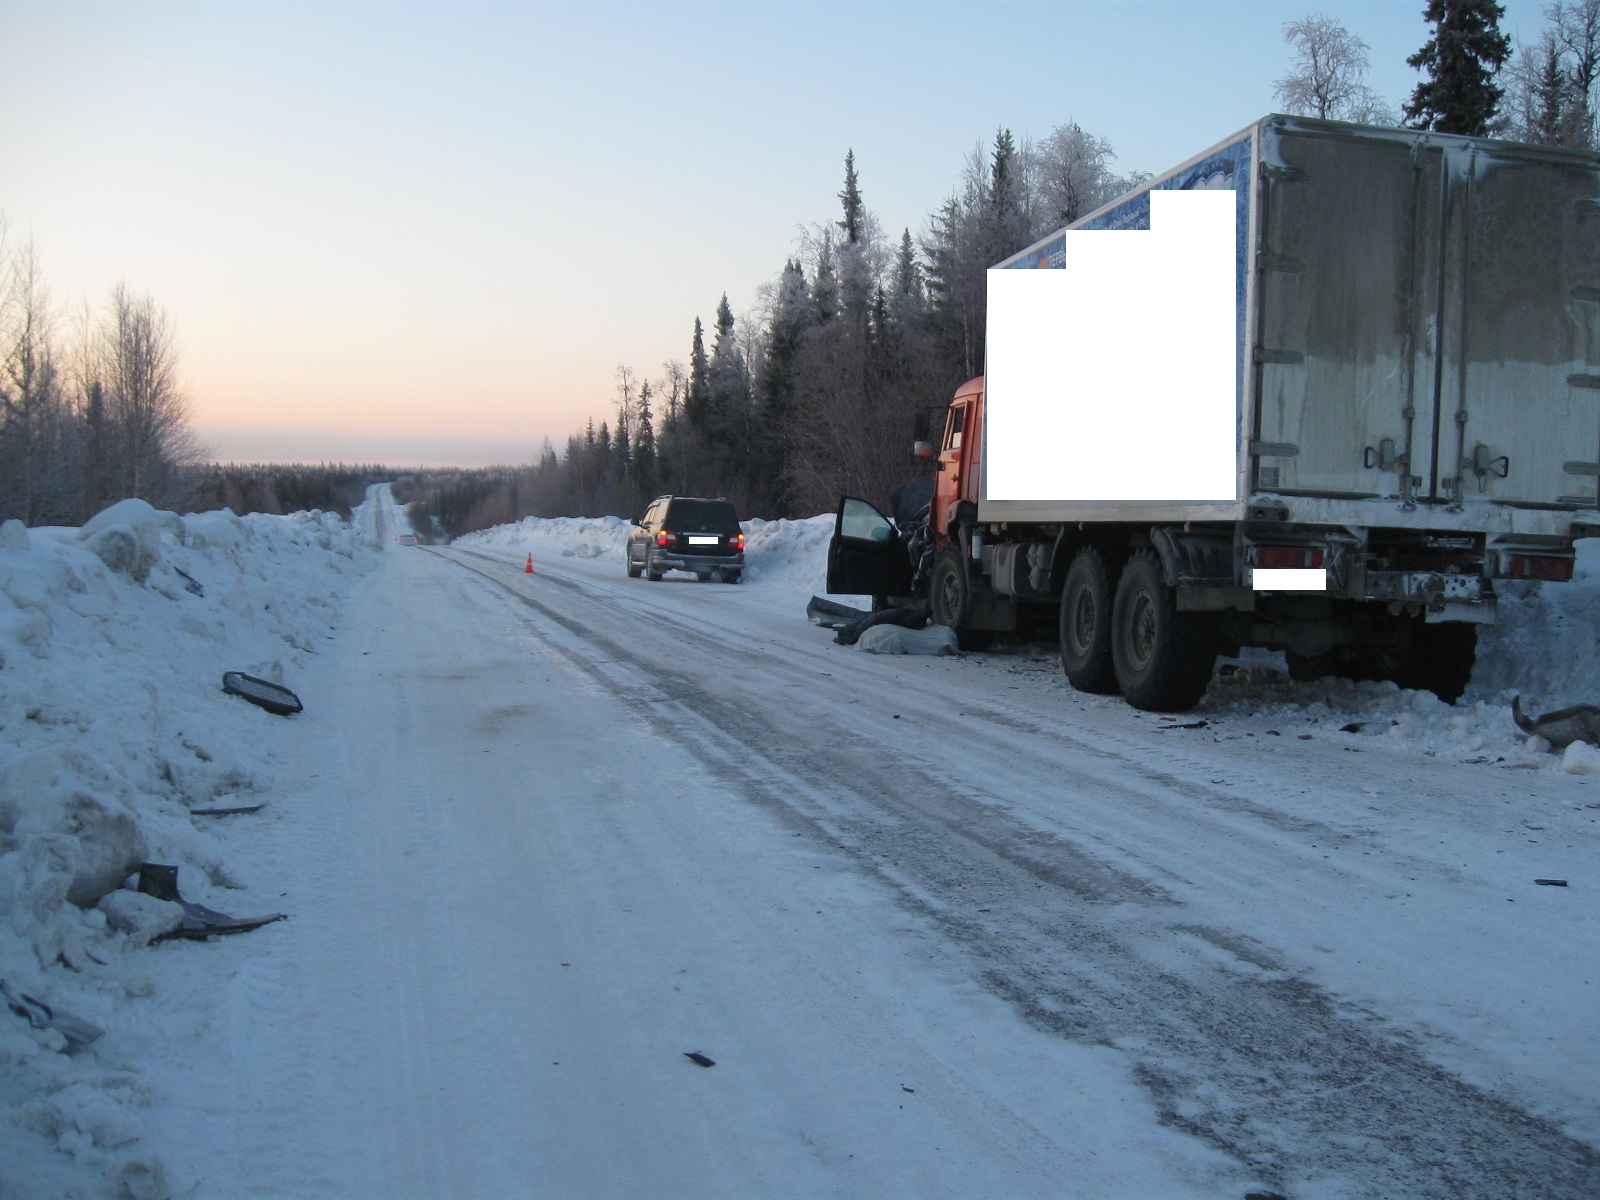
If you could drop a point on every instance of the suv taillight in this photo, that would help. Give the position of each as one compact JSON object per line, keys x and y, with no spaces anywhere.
{"x":666,"y":538}
{"x":736,"y":541}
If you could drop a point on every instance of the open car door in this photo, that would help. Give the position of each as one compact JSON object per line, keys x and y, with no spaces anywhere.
{"x":867,"y":556}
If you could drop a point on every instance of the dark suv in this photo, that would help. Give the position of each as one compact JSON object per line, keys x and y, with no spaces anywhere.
{"x":687,"y":533}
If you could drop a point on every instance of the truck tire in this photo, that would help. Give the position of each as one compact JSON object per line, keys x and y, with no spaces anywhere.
{"x":1163,"y":658}
{"x":634,"y":571}
{"x":650,"y":571}
{"x":950,"y":600}
{"x":1086,"y":625}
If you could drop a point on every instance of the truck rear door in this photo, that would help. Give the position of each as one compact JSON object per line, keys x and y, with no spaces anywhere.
{"x":1347,"y":283}
{"x":1520,"y":330}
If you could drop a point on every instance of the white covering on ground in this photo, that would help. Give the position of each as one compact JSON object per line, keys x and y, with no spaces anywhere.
{"x":113,"y":727}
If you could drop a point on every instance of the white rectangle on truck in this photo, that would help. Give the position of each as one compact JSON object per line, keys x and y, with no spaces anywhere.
{"x":698,"y":540}
{"x":1086,"y":401}
{"x":1289,"y":579}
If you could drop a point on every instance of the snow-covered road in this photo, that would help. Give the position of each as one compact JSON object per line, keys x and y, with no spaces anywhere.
{"x":945,"y":927}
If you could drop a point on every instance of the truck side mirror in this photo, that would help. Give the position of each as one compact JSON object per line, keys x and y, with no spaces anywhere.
{"x":922,"y":448}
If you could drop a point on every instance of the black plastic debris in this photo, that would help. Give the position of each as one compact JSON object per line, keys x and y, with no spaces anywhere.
{"x":192,"y":585}
{"x":226,"y":812}
{"x":270,"y":696}
{"x":1580,"y":723}
{"x":1551,"y":882}
{"x":1185,"y":725}
{"x":830,"y":614}
{"x":160,"y":881}
{"x":1353,"y":727}
{"x":699,"y":1059}
{"x":42,"y":1016}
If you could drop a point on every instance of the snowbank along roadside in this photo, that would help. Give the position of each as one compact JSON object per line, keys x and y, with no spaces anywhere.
{"x":114,"y":730}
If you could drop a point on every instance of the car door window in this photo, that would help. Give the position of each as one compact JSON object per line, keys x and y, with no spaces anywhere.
{"x":858,"y":519}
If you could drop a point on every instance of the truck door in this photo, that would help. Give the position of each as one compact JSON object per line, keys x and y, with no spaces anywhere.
{"x":1520,"y":331}
{"x":955,"y":461}
{"x":866,"y":556}
{"x":1347,"y":279}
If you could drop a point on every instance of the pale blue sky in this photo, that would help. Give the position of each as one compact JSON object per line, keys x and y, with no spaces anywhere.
{"x":430,"y":232}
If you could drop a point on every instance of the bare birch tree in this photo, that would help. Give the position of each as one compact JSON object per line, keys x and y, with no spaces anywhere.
{"x":1327,"y":77}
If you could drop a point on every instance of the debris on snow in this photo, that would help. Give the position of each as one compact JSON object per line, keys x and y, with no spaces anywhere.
{"x":695,"y":1056}
{"x":110,"y":736}
{"x":262,"y":693}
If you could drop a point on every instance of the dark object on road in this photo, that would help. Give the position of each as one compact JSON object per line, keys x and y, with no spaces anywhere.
{"x":1551,"y":882}
{"x":696,"y":1057}
{"x":41,"y":1016}
{"x":1265,"y":1196}
{"x":1580,"y":723}
{"x":832,"y":615}
{"x":1185,"y":725}
{"x":193,"y":584}
{"x":1353,"y":727}
{"x":226,"y":812}
{"x":849,"y":623}
{"x":260,"y":692}
{"x":686,"y":533}
{"x":160,"y":881}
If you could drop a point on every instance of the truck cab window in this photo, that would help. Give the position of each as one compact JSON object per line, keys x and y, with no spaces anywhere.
{"x":958,"y":419}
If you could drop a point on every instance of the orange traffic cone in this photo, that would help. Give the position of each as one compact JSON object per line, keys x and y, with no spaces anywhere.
{"x":528,"y":570}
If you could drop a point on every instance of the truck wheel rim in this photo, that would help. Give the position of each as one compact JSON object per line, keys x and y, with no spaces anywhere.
{"x":950,"y":598}
{"x":1142,"y":631}
{"x":1083,"y":619}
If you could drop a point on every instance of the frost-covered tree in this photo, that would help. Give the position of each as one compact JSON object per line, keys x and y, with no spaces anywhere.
{"x":1327,"y":74}
{"x":1461,"y":59}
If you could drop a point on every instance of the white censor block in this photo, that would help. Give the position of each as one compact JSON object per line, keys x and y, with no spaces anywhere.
{"x":1289,"y":579}
{"x":1116,"y":378}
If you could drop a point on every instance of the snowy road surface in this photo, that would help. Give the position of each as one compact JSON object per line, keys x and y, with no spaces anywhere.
{"x":945,"y":928}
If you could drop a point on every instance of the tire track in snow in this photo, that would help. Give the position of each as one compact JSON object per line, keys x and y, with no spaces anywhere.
{"x":1235,"y":1049}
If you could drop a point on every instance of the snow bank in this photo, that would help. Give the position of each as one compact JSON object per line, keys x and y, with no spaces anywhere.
{"x":113,"y":725}
{"x":786,"y":556}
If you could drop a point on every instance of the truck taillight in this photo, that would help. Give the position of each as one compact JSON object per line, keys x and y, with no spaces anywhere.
{"x":664,"y":538}
{"x":736,"y":541}
{"x":1538,"y":566}
{"x":1290,"y":557}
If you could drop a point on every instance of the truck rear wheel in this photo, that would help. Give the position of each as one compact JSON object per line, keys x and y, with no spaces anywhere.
{"x":1163,"y":658}
{"x":1086,"y":625}
{"x":950,"y":600}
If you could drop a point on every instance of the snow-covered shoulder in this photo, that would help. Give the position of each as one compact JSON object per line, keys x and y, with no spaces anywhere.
{"x":115,"y":734}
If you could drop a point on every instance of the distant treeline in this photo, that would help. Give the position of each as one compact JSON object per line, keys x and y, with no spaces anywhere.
{"x":284,"y":487}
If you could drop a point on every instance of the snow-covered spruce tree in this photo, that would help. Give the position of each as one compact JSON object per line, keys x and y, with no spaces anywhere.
{"x":697,"y":401}
{"x":1461,"y":60}
{"x":727,"y":447}
{"x":1575,"y":28}
{"x":790,"y":319}
{"x":1538,"y":96}
{"x":644,"y":450}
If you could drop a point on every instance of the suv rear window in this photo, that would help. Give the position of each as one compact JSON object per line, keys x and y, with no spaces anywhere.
{"x":706,"y":515}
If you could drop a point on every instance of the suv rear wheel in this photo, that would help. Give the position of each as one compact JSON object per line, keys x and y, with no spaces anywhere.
{"x":650,"y":571}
